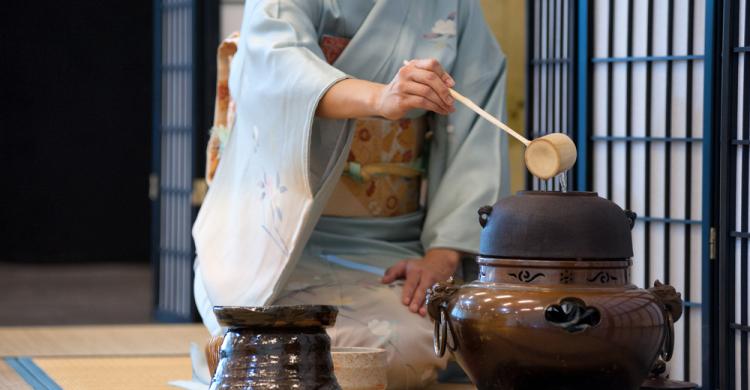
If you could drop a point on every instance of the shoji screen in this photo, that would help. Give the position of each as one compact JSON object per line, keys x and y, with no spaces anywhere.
{"x":646,"y":130}
{"x":646,"y":155}
{"x":734,"y":199}
{"x":185,"y":42}
{"x":739,"y":207}
{"x":634,"y":103}
{"x":550,"y":74}
{"x":173,"y":154}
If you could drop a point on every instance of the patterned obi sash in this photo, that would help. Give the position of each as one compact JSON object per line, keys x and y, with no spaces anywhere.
{"x":383,"y":173}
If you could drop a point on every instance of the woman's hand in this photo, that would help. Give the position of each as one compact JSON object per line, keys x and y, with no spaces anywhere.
{"x":420,"y":274}
{"x":418,"y":84}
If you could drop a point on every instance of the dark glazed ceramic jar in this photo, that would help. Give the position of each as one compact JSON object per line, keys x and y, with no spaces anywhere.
{"x":554,"y":307}
{"x":276,"y":347}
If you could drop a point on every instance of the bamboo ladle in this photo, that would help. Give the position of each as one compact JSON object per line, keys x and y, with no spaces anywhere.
{"x":546,"y":156}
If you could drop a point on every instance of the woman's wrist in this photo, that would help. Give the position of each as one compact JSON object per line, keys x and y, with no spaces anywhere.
{"x":374,"y":99}
{"x":451,"y":256}
{"x":351,"y":98}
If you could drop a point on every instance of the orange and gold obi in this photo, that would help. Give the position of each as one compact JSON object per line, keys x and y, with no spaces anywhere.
{"x":382,"y":177}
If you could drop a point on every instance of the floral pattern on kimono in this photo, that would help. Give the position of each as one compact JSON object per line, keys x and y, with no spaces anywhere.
{"x":443,"y":27}
{"x":443,"y":32}
{"x":273,"y":215}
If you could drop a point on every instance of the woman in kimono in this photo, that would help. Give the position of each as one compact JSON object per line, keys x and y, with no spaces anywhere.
{"x":350,"y":178}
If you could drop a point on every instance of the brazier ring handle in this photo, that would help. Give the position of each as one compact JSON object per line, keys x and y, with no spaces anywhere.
{"x":671,"y":303}
{"x":437,"y":307}
{"x":668,"y":347}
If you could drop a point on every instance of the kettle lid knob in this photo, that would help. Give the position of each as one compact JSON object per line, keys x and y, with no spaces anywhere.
{"x":484,"y":214}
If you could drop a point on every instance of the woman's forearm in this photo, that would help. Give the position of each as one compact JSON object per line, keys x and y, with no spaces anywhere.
{"x":419,"y":84}
{"x":350,"y":98}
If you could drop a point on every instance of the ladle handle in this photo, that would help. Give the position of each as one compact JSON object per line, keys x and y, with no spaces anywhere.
{"x":484,"y":114}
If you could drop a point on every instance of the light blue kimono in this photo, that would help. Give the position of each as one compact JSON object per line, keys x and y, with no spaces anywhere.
{"x":278,"y":76}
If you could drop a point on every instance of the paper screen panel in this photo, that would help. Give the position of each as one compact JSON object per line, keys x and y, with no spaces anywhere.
{"x":646,"y":154}
{"x":740,"y":232}
{"x":550,"y":88}
{"x":176,"y":131}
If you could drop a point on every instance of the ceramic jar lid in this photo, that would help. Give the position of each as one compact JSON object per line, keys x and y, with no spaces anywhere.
{"x":556,"y":225}
{"x":300,"y":316}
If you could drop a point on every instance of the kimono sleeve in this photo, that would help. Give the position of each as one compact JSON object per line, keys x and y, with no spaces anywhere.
{"x":469,"y":155}
{"x":258,"y":213}
{"x":282,"y":59}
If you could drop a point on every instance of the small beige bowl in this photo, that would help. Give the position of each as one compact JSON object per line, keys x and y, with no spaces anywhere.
{"x":358,"y":368}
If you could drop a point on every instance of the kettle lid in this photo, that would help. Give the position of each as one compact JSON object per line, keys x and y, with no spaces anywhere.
{"x":556,"y":225}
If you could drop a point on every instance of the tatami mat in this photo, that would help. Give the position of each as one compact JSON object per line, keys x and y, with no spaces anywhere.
{"x":10,"y":380}
{"x":115,"y":373}
{"x":109,"y":357}
{"x":125,"y":373}
{"x":104,"y":340}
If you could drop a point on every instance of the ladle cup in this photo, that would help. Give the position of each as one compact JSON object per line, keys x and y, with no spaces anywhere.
{"x":546,"y":156}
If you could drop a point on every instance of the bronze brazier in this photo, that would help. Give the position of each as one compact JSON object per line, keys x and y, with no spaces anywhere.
{"x":554,"y":307}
